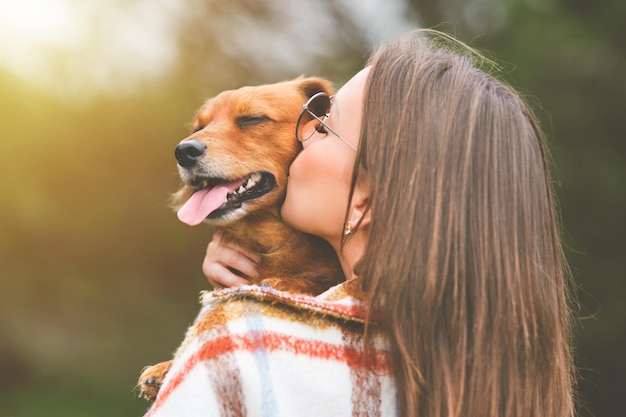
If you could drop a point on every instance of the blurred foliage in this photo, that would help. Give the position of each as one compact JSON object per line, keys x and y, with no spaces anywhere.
{"x":98,"y":279}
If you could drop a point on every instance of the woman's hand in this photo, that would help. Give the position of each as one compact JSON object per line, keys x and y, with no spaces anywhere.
{"x":228,"y":265}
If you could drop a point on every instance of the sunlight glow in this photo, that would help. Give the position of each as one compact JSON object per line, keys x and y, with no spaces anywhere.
{"x":77,"y":49}
{"x":35,"y":21}
{"x":74,"y":48}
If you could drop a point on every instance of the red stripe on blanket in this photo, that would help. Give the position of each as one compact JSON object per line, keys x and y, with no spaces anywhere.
{"x":366,"y":385}
{"x":377,"y":360}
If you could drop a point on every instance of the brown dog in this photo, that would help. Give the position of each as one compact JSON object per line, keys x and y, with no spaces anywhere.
{"x":234,"y":167}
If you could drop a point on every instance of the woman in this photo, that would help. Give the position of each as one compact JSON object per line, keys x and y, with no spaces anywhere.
{"x":444,"y":223}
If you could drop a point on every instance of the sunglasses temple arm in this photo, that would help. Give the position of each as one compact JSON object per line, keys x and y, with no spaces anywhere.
{"x":339,"y":136}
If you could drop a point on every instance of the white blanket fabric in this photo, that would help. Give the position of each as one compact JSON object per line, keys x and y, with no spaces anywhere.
{"x":254,"y":351}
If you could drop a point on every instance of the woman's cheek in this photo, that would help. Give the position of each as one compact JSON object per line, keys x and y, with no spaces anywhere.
{"x":298,"y":166}
{"x":293,"y":199}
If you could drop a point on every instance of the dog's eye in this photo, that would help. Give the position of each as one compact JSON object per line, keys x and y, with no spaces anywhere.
{"x":244,"y":121}
{"x":197,"y":129}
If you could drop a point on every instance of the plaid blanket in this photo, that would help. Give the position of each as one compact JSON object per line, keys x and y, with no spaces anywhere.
{"x":254,"y":351}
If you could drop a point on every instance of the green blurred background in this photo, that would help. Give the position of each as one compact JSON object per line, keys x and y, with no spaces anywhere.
{"x":98,"y":278}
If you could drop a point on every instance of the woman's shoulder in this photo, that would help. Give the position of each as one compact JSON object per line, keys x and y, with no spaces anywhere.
{"x":262,"y":346}
{"x":342,"y":302}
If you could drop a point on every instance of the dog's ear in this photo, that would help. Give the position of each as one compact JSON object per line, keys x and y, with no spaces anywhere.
{"x":313,"y":85}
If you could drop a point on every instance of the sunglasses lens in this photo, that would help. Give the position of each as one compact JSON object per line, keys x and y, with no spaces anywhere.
{"x":317,"y":106}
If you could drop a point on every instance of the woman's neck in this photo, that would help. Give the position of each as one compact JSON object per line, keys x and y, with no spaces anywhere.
{"x":350,"y":253}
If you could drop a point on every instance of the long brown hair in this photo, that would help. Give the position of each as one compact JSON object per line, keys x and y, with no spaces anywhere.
{"x":463,"y":252}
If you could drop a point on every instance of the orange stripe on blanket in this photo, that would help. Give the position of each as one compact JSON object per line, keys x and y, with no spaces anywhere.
{"x":377,"y":360}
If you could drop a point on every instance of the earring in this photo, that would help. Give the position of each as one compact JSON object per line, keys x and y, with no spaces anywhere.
{"x":347,"y":230}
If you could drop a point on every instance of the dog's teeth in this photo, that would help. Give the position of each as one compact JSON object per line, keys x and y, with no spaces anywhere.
{"x":248,"y":183}
{"x":256,"y":177}
{"x":241,"y":189}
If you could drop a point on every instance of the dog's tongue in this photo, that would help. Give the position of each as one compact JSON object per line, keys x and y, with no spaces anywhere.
{"x":204,"y":202}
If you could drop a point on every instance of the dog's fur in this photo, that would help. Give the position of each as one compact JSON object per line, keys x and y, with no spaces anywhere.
{"x":246,"y":131}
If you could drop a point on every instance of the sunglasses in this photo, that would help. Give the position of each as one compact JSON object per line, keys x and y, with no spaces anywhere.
{"x":311,"y":119}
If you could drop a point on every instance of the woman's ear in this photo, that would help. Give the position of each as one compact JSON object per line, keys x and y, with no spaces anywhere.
{"x":360,"y":212}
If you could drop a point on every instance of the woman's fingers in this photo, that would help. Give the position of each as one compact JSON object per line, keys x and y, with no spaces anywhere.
{"x":227,"y":265}
{"x":219,"y":276}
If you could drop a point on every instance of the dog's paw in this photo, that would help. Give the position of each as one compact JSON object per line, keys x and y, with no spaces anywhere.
{"x":151,"y":379}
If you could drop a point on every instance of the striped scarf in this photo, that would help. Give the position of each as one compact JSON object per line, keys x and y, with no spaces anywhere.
{"x":255,"y":351}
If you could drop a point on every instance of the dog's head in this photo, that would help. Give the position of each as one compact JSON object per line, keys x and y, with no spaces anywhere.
{"x":237,"y":157}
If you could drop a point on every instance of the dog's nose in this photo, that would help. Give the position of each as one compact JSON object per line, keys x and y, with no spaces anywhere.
{"x":188,"y":152}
